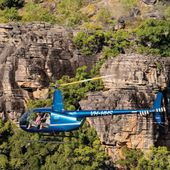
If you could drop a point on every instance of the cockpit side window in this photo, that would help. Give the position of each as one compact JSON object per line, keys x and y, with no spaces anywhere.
{"x":39,"y":120}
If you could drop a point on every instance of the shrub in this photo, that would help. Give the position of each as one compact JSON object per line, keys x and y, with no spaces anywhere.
{"x":91,"y":26}
{"x":129,"y":4}
{"x":103,"y":16}
{"x":68,"y":6}
{"x":117,"y":41}
{"x":69,"y":12}
{"x":110,"y":52}
{"x":11,"y":3}
{"x":89,"y":42}
{"x":131,"y":158}
{"x":94,"y":41}
{"x":73,"y":93}
{"x":167,"y":13}
{"x":35,"y":12}
{"x":12,"y":14}
{"x":156,"y":158}
{"x":153,"y":36}
{"x":9,"y":14}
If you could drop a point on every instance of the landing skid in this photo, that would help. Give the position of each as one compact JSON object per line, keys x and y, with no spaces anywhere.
{"x":46,"y":141}
{"x":58,"y":134}
{"x":52,"y":138}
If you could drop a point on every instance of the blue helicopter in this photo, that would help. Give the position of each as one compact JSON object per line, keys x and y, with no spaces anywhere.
{"x":55,"y":119}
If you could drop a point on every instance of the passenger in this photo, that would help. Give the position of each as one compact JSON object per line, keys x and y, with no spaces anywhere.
{"x":47,"y":121}
{"x":35,"y":123}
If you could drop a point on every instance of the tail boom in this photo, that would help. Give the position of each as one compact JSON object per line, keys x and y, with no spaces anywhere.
{"x":94,"y":113}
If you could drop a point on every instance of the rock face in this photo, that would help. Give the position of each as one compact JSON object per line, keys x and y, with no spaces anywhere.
{"x":133,"y":85}
{"x":149,"y":2}
{"x":32,"y":56}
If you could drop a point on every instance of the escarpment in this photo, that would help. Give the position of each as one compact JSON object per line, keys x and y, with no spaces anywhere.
{"x":33,"y":55}
{"x":134,"y":82}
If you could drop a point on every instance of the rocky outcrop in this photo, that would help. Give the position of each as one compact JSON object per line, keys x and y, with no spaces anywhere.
{"x":32,"y":56}
{"x":149,"y":2}
{"x":133,"y":85}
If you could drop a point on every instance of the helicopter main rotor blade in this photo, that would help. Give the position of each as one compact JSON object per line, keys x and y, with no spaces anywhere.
{"x":86,"y":80}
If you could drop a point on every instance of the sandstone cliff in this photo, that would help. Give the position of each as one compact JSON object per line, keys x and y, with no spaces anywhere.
{"x":33,"y":55}
{"x":134,"y":83}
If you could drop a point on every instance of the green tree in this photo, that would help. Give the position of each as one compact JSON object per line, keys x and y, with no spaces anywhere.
{"x":157,"y":158}
{"x":35,"y":12}
{"x":11,"y":3}
{"x":9,"y":14}
{"x":39,"y":103}
{"x":131,"y":157}
{"x":90,"y":42}
{"x":73,"y":93}
{"x":5,"y":132}
{"x":94,"y":41}
{"x":153,"y":36}
{"x":81,"y":150}
{"x":104,"y":16}
{"x":69,"y":13}
{"x":3,"y":162}
{"x":84,"y":152}
{"x":129,"y":4}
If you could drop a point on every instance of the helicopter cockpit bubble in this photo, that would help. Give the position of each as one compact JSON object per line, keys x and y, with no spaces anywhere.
{"x":35,"y":119}
{"x":25,"y":118}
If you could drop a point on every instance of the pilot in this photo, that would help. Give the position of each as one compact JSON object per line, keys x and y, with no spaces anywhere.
{"x":37,"y":121}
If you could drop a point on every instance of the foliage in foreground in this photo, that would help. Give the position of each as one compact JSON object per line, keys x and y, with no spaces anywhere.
{"x":76,"y":153}
{"x":135,"y":159}
{"x":19,"y":152}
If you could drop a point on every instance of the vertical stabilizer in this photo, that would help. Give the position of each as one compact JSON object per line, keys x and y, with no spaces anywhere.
{"x":158,"y":107}
{"x":58,"y":101}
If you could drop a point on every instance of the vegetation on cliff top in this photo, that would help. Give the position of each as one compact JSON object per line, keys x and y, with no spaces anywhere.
{"x":97,"y":24}
{"x":150,"y":37}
